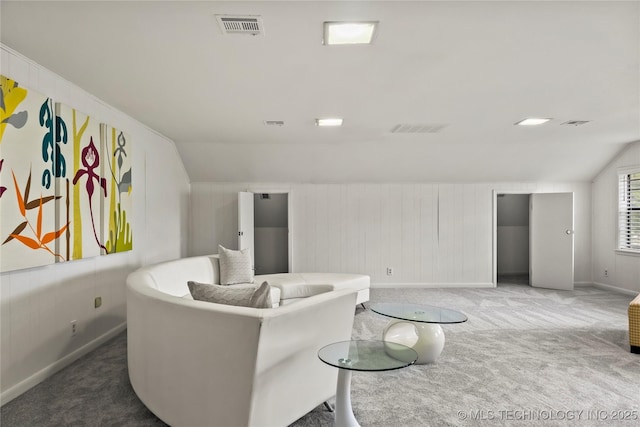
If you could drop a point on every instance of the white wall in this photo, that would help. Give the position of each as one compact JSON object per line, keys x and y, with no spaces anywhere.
{"x":623,"y":269}
{"x":38,"y":304}
{"x":430,"y":234}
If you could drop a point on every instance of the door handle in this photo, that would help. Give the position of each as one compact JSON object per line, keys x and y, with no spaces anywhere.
{"x":569,"y":232}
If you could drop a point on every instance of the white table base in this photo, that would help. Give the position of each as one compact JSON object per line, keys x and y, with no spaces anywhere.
{"x":344,"y":412}
{"x":427,"y":339}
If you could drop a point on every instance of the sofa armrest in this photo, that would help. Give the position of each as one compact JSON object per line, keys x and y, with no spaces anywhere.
{"x":200,"y":363}
{"x":185,"y":354}
{"x":288,"y":352}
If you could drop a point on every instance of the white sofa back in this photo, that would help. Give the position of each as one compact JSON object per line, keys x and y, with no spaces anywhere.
{"x":171,"y":277}
{"x":195,"y":363}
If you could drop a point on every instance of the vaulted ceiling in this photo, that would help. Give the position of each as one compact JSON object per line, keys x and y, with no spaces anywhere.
{"x":475,"y":67}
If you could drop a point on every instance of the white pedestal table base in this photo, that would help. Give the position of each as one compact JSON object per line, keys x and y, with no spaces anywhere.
{"x":427,"y":339}
{"x":344,"y":412}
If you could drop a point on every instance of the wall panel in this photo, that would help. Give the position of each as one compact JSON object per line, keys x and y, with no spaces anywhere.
{"x":430,"y":234}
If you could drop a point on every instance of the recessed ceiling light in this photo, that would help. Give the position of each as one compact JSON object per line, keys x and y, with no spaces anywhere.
{"x":349,"y":32}
{"x":532,"y":121}
{"x":328,"y":122}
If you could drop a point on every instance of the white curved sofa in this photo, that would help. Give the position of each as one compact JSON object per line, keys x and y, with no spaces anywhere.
{"x":293,"y":287}
{"x":195,"y":363}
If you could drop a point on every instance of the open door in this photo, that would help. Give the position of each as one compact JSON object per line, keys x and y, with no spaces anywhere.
{"x":551,"y":240}
{"x":245,"y":224}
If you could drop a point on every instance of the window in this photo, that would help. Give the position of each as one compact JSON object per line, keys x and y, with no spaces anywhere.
{"x":629,"y":210}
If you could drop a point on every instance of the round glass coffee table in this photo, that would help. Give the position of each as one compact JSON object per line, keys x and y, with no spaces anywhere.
{"x":362,"y":355}
{"x":418,"y":326}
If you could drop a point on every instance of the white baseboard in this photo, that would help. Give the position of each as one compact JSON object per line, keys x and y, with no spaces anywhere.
{"x":35,"y":379}
{"x":487,"y":285}
{"x":432,"y":285}
{"x":615,"y":288}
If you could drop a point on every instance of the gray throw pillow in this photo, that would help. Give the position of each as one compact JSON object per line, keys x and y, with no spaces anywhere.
{"x":235,"y":266}
{"x":246,"y":296}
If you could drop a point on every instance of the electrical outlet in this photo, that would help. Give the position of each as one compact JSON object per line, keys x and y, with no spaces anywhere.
{"x":389,"y":271}
{"x":606,"y":273}
{"x":74,"y":328}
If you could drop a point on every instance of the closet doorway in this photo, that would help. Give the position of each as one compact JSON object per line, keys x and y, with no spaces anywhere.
{"x":513,"y":238}
{"x":544,"y":228}
{"x":271,"y":232}
{"x":263,"y":227}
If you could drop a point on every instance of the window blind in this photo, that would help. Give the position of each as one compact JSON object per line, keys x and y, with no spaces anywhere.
{"x":629,"y":211}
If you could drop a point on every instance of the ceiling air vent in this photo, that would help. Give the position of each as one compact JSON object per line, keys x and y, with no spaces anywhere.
{"x":274,"y":122}
{"x":231,"y":24}
{"x":417,"y":128}
{"x":576,"y":122}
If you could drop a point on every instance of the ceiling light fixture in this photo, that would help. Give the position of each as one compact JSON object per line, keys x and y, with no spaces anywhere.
{"x":328,"y":122}
{"x":532,"y":122}
{"x":349,"y":32}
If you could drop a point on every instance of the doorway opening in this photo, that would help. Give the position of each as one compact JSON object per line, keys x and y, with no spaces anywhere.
{"x":271,"y":232}
{"x":513,"y":239}
{"x":550,"y":239}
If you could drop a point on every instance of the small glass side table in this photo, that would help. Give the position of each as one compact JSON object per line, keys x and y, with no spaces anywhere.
{"x":362,"y":355}
{"x":418,"y":326}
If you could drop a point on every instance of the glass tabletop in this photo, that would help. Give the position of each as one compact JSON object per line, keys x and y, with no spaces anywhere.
{"x":418,"y":313}
{"x":367,"y":355}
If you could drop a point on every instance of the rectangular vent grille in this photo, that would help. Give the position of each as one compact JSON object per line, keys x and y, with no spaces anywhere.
{"x":274,"y":123}
{"x":240,"y":24}
{"x":576,"y":122}
{"x":418,"y":128}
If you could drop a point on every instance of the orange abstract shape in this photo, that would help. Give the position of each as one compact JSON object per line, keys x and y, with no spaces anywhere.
{"x":53,"y":235}
{"x":40,"y":242}
{"x":19,"y":196}
{"x":27,"y":241}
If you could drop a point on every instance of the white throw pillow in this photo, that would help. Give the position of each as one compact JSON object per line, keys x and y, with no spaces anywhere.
{"x":251,"y":296}
{"x":235,"y":266}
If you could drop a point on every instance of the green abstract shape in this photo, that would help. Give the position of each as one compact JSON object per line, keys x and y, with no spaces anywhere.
{"x":120,"y":236}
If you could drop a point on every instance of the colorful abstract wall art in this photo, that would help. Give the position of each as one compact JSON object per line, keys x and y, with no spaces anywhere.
{"x":65,"y":182}
{"x":82,"y":190}
{"x":116,"y":216}
{"x":30,"y":160}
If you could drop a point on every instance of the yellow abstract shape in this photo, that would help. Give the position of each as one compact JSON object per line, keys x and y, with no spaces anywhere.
{"x":114,"y":186}
{"x":77,"y":213}
{"x":13,"y":96}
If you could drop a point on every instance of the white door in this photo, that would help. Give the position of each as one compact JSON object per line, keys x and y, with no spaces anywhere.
{"x":551,"y":240}
{"x":245,"y":224}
